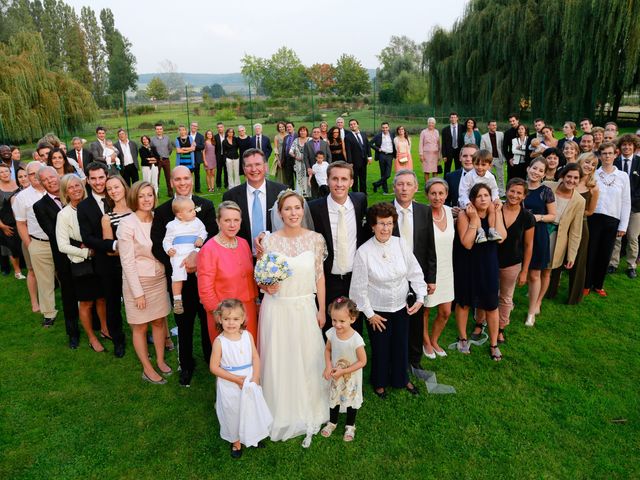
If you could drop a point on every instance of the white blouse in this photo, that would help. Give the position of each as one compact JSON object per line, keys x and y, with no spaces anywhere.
{"x":615,"y":196}
{"x":67,"y":228}
{"x":381,"y":276}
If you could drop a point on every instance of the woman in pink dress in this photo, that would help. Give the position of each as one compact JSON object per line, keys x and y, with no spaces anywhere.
{"x":402,"y":143}
{"x":209,"y":159}
{"x":225,"y":270}
{"x":429,"y":149}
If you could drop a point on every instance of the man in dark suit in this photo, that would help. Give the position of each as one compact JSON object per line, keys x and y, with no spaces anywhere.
{"x":538,"y":125}
{"x":97,"y":147}
{"x":46,"y":211}
{"x":255,"y":197}
{"x":128,"y":155}
{"x":221,"y":163}
{"x":261,"y":141}
{"x":326,"y":213}
{"x":90,"y":212}
{"x":81,"y":155}
{"x":313,"y":146}
{"x":182,"y":185}
{"x":385,"y":150}
{"x":629,"y":163}
{"x":452,"y":141}
{"x":453,"y":178}
{"x":287,"y":160}
{"x":197,"y":139}
{"x":509,"y":135}
{"x":415,"y":227}
{"x":5,"y":157}
{"x":358,"y":154}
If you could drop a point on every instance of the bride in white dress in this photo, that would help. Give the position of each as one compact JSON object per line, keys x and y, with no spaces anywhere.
{"x":291,"y":343}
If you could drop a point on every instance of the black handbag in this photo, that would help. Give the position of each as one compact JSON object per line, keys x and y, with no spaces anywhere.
{"x":82,"y":269}
{"x":411,"y":298}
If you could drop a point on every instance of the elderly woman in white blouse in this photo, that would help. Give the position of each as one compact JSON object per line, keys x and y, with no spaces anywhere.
{"x":383,"y":269}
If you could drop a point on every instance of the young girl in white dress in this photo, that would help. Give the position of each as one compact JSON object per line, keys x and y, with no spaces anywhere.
{"x":242,"y":411}
{"x":345,"y":358}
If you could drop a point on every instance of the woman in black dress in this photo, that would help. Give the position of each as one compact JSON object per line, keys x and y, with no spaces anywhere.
{"x":336,"y":145}
{"x":231,"y":155}
{"x":244,"y":144}
{"x":475,"y":267}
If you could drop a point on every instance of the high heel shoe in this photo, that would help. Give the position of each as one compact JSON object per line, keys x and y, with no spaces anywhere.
{"x":162,"y":381}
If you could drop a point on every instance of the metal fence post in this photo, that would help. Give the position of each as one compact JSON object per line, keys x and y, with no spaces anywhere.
{"x":126,"y":111}
{"x":186,"y":92}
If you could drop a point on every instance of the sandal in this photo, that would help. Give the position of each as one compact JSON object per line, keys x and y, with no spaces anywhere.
{"x":349,"y":433}
{"x":476,"y":336}
{"x":463,"y":346}
{"x":501,"y":332}
{"x":495,"y":353}
{"x":168,"y":345}
{"x":328,"y":429}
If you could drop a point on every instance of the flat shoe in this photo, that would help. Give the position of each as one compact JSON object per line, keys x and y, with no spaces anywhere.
{"x":166,"y":374}
{"x":440,"y":353}
{"x":430,"y":356}
{"x":413,"y":390}
{"x":236,"y":453}
{"x":162,"y":381}
{"x":382,"y":395}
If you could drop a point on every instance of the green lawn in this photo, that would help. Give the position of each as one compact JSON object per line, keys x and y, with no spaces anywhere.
{"x":564,"y":403}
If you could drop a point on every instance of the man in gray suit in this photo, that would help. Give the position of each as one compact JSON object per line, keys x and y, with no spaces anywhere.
{"x":97,"y":147}
{"x":492,"y":141}
{"x":316,"y":144}
{"x":128,"y":155}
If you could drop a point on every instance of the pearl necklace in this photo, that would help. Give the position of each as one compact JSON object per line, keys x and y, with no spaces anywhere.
{"x":232,"y":244}
{"x":441,"y":217}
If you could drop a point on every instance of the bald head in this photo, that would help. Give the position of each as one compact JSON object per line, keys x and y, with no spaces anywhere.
{"x":181,"y":181}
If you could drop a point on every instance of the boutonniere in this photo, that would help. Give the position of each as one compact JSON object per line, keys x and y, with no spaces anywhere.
{"x":198,"y":208}
{"x":636,"y":173}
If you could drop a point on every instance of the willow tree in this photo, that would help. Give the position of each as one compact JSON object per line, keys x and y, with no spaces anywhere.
{"x":558,"y":57}
{"x":33,"y":99}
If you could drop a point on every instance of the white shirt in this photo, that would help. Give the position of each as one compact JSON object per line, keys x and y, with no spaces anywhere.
{"x":263,"y":202}
{"x":385,"y":145}
{"x":99,"y":201}
{"x":381,"y":276}
{"x":629,"y":162}
{"x":400,"y":211}
{"x":352,"y":232}
{"x":320,"y":172}
{"x":469,"y":180}
{"x":23,"y":211}
{"x":126,"y":153}
{"x":68,"y":228}
{"x":615,"y":196}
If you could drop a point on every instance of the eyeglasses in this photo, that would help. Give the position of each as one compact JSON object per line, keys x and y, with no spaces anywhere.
{"x":385,"y":224}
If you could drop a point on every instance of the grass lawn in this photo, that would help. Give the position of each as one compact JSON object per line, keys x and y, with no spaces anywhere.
{"x":564,"y":403}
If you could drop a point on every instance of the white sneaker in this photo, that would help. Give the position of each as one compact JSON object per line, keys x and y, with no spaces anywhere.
{"x":494,"y":236}
{"x":480,"y":236}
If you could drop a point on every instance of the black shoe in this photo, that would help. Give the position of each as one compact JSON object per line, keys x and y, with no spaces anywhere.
{"x":611,"y":269}
{"x":236,"y":453}
{"x":381,"y":395}
{"x":185,"y":377}
{"x":413,"y":390}
{"x":631,"y":273}
{"x":375,"y":188}
{"x":74,"y":342}
{"x":261,"y":445}
{"x":118,"y":350}
{"x":48,"y":322}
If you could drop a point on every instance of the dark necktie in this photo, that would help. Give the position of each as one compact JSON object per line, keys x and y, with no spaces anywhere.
{"x":626,"y":166}
{"x":259,"y":142}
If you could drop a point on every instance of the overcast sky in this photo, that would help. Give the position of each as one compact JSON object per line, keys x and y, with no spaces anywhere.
{"x":202,"y":36}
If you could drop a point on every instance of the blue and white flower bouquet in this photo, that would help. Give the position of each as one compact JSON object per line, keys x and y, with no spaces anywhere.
{"x":271,"y":269}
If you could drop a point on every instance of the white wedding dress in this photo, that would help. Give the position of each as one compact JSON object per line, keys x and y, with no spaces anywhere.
{"x":291,"y":343}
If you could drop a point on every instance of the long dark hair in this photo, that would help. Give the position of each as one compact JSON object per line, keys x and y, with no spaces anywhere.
{"x":67,"y":167}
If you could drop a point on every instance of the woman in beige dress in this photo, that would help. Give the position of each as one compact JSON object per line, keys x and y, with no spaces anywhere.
{"x":403,"y":150}
{"x":144,"y":286}
{"x":429,"y":149}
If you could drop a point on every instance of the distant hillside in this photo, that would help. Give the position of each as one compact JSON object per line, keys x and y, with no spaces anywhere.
{"x":231,"y":82}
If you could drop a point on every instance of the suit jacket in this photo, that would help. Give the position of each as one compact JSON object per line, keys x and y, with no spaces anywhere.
{"x":485,"y":143}
{"x":96,"y":150}
{"x":507,"y":142}
{"x":133,"y":148}
{"x":634,"y":181}
{"x":424,"y":247}
{"x":569,"y":229}
{"x":87,"y":157}
{"x":197,"y":154}
{"x":46,"y":211}
{"x":447,"y":141}
{"x":310,"y":154}
{"x":357,"y":154}
{"x":205,"y":211}
{"x":322,"y":224}
{"x":266,"y":145}
{"x":453,"y":180}
{"x":219,"y":154}
{"x":284,"y":152}
{"x":239,"y":195}
{"x":90,"y":220}
{"x":376,"y":142}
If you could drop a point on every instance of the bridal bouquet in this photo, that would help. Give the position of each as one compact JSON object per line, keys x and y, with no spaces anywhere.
{"x":271,"y":269}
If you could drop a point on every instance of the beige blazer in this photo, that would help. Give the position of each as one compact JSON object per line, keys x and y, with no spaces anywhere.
{"x":134,"y":246}
{"x":569,"y":228}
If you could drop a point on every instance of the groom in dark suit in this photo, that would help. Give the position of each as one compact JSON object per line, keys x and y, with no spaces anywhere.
{"x":255,"y":197}
{"x":326,"y":213}
{"x":452,"y":142}
{"x":358,"y":154}
{"x":416,"y":220}
{"x":182,"y":185}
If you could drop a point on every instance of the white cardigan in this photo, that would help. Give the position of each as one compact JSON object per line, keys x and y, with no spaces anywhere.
{"x":67,"y":228}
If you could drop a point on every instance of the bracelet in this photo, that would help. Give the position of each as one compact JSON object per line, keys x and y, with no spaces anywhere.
{"x":471,"y":227}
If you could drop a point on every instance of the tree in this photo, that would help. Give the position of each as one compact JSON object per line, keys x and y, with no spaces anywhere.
{"x":254,"y":70}
{"x":283,"y":75}
{"x":95,"y":53}
{"x":172,"y":79}
{"x":351,"y":77}
{"x":122,"y":73}
{"x":157,"y":90}
{"x":74,"y":48}
{"x":322,"y":77}
{"x":214,"y":91}
{"x":401,"y":55}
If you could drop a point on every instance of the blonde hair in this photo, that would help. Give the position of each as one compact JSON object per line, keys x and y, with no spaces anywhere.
{"x":590,"y":180}
{"x":286,"y":194}
{"x":228,"y":205}
{"x":136,"y":188}
{"x":229,"y":304}
{"x":64,"y":185}
{"x":179,"y":203}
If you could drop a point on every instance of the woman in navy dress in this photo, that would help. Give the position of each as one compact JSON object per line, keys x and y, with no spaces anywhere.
{"x":541,"y":203}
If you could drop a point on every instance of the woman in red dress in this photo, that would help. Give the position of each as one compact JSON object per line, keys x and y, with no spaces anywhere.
{"x":225,"y":269}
